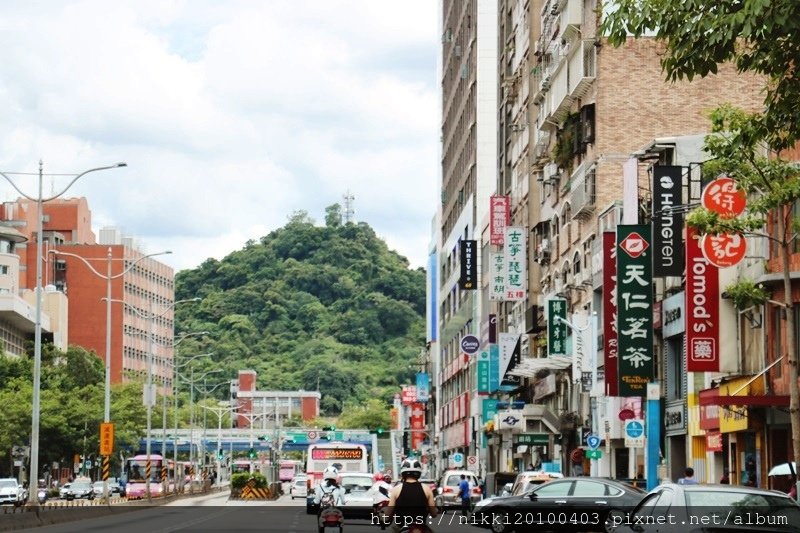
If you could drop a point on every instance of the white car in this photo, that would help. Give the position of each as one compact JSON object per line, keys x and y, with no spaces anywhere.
{"x":11,"y":492}
{"x":357,"y":498}
{"x":298,"y":488}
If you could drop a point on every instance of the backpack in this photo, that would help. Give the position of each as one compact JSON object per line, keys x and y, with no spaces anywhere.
{"x":328,"y":499}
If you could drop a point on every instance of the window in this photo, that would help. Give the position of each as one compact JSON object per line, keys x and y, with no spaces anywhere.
{"x":554,"y":489}
{"x":589,"y":489}
{"x":3,"y":270}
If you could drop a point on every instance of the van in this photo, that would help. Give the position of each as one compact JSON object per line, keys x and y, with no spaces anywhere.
{"x":447,"y":493}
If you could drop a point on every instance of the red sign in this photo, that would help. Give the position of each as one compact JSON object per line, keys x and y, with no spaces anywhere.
{"x":417,"y":423}
{"x":702,"y":308}
{"x":723,"y":196}
{"x":634,"y":245}
{"x":709,"y":414}
{"x":714,"y":442}
{"x":408,"y":395}
{"x":499,"y":218}
{"x":724,"y":250}
{"x":610,"y":312}
{"x":626,"y":414}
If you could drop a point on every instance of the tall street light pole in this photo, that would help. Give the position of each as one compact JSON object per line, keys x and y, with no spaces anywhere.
{"x":109,"y":278}
{"x":191,"y":420}
{"x":37,"y":338}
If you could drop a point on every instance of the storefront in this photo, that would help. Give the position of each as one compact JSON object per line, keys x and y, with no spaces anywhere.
{"x":675,"y":406}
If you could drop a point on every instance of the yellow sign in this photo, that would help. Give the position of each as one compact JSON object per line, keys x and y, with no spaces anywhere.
{"x":733,"y":418}
{"x":106,"y":438}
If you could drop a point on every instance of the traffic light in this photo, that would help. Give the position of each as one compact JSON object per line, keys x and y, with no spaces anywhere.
{"x":328,"y":428}
{"x":252,"y":453}
{"x":220,"y":454}
{"x":378,"y":431}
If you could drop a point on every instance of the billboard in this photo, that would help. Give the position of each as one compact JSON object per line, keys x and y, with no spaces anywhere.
{"x":668,"y":251}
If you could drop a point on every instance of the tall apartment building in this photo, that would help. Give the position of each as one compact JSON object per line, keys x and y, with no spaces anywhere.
{"x":593,"y":106}
{"x":469,"y":170}
{"x":146,"y":290}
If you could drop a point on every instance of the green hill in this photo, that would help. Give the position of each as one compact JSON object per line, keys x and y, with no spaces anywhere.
{"x":310,"y":307}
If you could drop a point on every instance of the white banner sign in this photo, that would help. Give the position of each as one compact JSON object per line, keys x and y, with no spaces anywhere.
{"x":497,"y":276}
{"x":516,"y":278}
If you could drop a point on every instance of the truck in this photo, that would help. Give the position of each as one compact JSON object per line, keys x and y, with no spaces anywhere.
{"x":11,"y":492}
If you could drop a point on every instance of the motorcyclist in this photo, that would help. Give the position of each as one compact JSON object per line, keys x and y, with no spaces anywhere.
{"x":380,"y":490}
{"x":329,"y":492}
{"x":411,"y":502}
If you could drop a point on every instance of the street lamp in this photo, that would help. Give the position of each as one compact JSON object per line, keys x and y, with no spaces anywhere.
{"x":149,"y":396}
{"x":108,"y":277}
{"x":37,"y":338}
{"x":191,"y":417}
{"x":219,"y":411}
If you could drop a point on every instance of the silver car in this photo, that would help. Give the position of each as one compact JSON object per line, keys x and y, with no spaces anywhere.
{"x":78,"y":490}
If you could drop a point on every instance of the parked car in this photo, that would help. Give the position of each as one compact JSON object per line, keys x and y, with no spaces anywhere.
{"x":447,"y":491}
{"x":576,"y":504}
{"x":62,"y":492}
{"x":298,"y":487}
{"x":79,"y":490}
{"x":718,"y":508}
{"x":357,"y":499}
{"x":528,"y":479}
{"x":12,"y":492}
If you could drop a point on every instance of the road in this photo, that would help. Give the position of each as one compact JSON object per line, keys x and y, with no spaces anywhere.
{"x":214,"y":512}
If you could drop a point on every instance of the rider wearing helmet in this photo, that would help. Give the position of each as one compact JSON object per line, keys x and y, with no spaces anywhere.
{"x":380,"y":489}
{"x":330,"y":488}
{"x":411,"y":501}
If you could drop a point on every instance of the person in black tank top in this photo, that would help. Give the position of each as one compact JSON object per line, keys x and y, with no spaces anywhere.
{"x":411,"y":502}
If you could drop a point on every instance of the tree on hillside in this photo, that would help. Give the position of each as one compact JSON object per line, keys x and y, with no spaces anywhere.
{"x":758,"y":36}
{"x":372,"y":415}
{"x":333,"y":216}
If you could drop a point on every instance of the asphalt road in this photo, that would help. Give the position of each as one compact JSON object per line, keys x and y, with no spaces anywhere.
{"x":215,"y":512}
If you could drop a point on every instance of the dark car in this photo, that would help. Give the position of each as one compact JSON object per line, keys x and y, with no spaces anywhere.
{"x":569,"y":504}
{"x":719,"y":508}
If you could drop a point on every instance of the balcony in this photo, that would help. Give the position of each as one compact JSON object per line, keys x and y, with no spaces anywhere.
{"x":582,"y":190}
{"x":560,"y":100}
{"x":582,"y":57}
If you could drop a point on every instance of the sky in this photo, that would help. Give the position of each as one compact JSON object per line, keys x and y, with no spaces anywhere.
{"x":231,"y":116}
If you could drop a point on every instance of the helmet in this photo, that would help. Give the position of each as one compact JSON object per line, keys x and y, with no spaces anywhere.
{"x":330,"y":473}
{"x":378,"y":476}
{"x":411,"y":466}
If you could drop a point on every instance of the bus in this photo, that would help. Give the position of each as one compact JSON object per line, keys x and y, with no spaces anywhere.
{"x":288,"y":469}
{"x":135,"y":473}
{"x":345,"y":456}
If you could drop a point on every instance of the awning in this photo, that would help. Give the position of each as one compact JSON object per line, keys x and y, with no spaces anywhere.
{"x":748,"y":400}
{"x":530,"y":366}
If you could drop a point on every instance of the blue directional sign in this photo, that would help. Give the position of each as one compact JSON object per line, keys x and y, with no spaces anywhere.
{"x":593,"y":441}
{"x":634,"y":429}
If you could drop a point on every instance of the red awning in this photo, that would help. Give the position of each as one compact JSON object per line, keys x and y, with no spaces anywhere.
{"x":749,"y":400}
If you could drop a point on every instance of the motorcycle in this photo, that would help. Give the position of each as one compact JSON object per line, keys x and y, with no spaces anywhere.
{"x":379,"y":511}
{"x":42,"y":495}
{"x":331,"y":520}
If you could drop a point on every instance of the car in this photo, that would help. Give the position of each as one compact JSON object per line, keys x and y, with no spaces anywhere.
{"x":62,"y":492}
{"x":357,"y":498}
{"x":447,"y":492}
{"x":709,"y":507}
{"x":526,"y":480}
{"x":12,"y":492}
{"x":113,"y":488}
{"x":575,"y":504}
{"x":79,"y":490}
{"x":298,"y":487}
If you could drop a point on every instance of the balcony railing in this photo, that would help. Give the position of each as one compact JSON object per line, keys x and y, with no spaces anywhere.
{"x":560,"y":100}
{"x":582,"y":58}
{"x":582,"y":190}
{"x":571,"y":19}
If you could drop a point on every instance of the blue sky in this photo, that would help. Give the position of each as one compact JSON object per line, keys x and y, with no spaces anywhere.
{"x":230,"y":114}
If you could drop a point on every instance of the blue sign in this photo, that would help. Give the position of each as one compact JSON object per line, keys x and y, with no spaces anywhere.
{"x":593,"y":441}
{"x":634,"y":429}
{"x":494,"y":367}
{"x":423,"y":387}
{"x":458,"y":458}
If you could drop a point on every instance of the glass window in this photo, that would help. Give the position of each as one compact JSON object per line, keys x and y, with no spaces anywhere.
{"x":554,"y":489}
{"x":589,"y":488}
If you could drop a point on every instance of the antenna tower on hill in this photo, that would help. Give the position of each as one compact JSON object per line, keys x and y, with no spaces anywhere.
{"x":349,"y":210}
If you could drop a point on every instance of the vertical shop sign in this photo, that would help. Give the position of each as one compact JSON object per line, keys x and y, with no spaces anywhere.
{"x":500,"y":217}
{"x":497,"y":276}
{"x":469,"y":266}
{"x":610,"y":348}
{"x":702,"y":308}
{"x":668,"y":254}
{"x":636,"y":363}
{"x":556,"y":327}
{"x":515,"y":263}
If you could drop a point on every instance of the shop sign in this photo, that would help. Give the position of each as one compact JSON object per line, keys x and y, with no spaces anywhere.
{"x":668,"y":252}
{"x":500,"y":217}
{"x":610,"y":312}
{"x":516,"y":278}
{"x":702,"y":309}
{"x":714,"y":441}
{"x":556,"y":327}
{"x":674,"y":418}
{"x":634,"y":309}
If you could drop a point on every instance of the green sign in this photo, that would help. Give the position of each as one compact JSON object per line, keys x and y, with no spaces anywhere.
{"x":593,"y":454}
{"x":534,"y":439}
{"x":483,"y":373}
{"x":636,"y":365}
{"x":557,"y":327}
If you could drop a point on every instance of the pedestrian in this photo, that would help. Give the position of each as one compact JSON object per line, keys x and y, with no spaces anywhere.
{"x":464,"y":493}
{"x":726,"y":477}
{"x":688,"y":477}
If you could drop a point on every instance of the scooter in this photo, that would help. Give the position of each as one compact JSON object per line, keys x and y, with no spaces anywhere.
{"x":379,"y":511}
{"x":42,"y":495}
{"x":331,"y":520}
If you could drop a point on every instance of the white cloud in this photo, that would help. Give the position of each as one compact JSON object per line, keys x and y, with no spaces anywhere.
{"x":230,"y":115}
